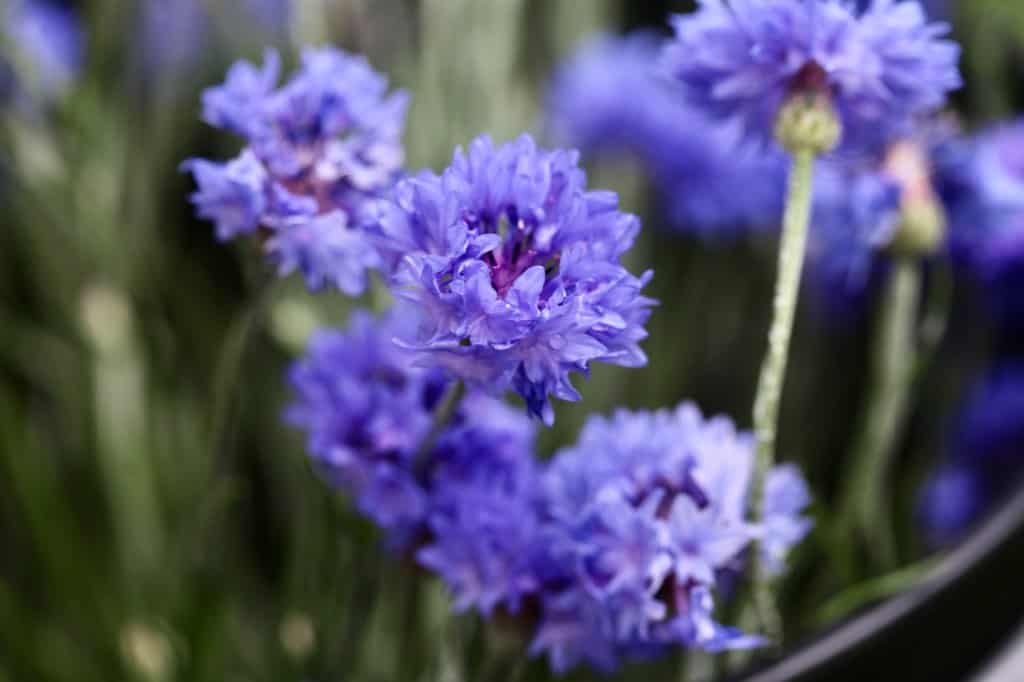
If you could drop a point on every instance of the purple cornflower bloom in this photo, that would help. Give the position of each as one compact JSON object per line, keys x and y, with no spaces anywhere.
{"x":48,"y":44}
{"x":322,"y":149}
{"x":516,"y":265}
{"x":609,"y":98}
{"x":986,"y":458}
{"x":485,"y":511}
{"x":365,"y":414}
{"x":467,"y":506}
{"x":643,"y":514}
{"x":741,"y":60}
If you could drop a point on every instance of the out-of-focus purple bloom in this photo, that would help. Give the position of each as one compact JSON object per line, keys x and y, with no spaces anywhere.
{"x":855,"y":212}
{"x":740,"y":60}
{"x":467,"y":506}
{"x":365,"y":414}
{"x":986,"y":459}
{"x":991,"y":425}
{"x":643,"y":514}
{"x":325,"y":250}
{"x":609,"y":98}
{"x":786,"y":497}
{"x":952,"y":500}
{"x":984,"y":187}
{"x":47,"y":42}
{"x":485,"y":519}
{"x":516,"y":267}
{"x":328,"y":143}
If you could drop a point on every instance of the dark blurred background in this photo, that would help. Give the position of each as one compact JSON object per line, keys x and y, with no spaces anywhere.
{"x":158,"y":521}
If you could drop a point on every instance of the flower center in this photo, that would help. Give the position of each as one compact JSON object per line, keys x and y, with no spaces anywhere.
{"x":811,"y":79}
{"x":520,"y":249}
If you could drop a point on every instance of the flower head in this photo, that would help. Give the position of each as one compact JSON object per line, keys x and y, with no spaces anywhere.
{"x":517,"y":266}
{"x":485,"y":514}
{"x":466,"y":505}
{"x":325,"y":146}
{"x":879,"y":68}
{"x":609,"y":98}
{"x":365,"y":414}
{"x":643,"y":513}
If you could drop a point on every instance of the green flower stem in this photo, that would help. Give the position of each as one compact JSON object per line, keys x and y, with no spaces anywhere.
{"x":773,"y":368}
{"x":443,"y":414}
{"x":864,"y":503}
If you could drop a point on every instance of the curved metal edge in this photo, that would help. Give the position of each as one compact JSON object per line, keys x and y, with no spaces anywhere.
{"x":939,"y":630}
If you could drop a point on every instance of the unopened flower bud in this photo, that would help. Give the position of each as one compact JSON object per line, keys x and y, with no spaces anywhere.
{"x":808,"y":122}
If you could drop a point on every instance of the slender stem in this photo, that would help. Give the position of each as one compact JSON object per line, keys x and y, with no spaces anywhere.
{"x":773,"y":368}
{"x":443,"y":414}
{"x":865,"y":503}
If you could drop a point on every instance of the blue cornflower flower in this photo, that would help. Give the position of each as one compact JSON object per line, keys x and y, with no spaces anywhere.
{"x":329,"y":145}
{"x":642,"y":515}
{"x":485,"y":513}
{"x":365,"y":413}
{"x":986,"y":459}
{"x":741,"y":60}
{"x":609,"y":98}
{"x":516,"y":266}
{"x":48,"y":45}
{"x":465,"y":506}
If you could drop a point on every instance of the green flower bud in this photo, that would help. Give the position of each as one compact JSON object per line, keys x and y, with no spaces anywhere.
{"x":808,"y":123}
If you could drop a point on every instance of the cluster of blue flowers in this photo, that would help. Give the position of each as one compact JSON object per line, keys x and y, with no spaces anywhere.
{"x":618,"y":543}
{"x":507,"y":274}
{"x":320,"y":149}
